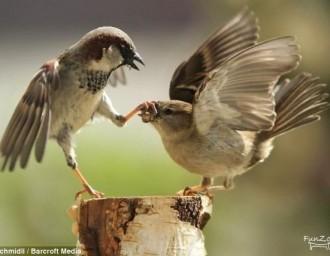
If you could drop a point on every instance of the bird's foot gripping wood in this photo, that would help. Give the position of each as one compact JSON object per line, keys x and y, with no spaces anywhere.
{"x":207,"y":188}
{"x":87,"y":188}
{"x":200,"y":190}
{"x":92,"y":192}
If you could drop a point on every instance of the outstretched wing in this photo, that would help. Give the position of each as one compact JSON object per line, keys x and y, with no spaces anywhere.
{"x":238,"y":34}
{"x":240,"y":94}
{"x":29,"y":125}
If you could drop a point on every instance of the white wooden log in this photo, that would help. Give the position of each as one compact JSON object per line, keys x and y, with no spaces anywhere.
{"x":158,"y":226}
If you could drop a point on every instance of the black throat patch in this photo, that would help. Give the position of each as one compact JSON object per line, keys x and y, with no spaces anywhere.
{"x":93,"y":80}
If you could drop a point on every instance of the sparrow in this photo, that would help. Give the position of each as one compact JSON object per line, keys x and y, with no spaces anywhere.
{"x":226,"y":105}
{"x":65,"y":94}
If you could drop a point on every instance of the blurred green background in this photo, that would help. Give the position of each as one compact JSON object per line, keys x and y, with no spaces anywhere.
{"x":272,"y":207}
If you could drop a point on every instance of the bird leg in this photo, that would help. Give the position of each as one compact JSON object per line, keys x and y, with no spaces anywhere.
{"x":228,"y":183}
{"x":206,"y":187}
{"x":202,"y":188}
{"x":65,"y":141}
{"x":145,"y":106}
{"x":87,"y":188}
{"x":107,"y":110}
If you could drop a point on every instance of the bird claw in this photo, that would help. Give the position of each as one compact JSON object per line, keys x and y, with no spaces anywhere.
{"x":148,"y":106}
{"x":193,"y":191}
{"x":141,"y":109}
{"x":201,"y":190}
{"x":92,"y":192}
{"x":148,"y":111}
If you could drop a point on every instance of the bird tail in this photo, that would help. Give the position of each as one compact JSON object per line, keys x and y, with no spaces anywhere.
{"x":298,"y":102}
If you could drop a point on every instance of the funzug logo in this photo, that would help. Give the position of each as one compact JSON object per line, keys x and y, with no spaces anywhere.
{"x":318,"y":242}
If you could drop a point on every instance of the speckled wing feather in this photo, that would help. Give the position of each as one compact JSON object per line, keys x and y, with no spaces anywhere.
{"x":29,"y":125}
{"x":240,"y":94}
{"x":238,"y":34}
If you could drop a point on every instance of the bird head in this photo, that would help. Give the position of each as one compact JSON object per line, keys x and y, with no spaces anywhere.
{"x":172,"y":118}
{"x":106,"y":48}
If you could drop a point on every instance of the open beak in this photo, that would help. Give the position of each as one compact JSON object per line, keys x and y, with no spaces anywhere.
{"x":137,"y":58}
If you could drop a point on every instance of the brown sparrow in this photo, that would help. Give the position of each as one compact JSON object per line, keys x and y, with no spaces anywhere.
{"x":65,"y":94}
{"x":226,"y":106}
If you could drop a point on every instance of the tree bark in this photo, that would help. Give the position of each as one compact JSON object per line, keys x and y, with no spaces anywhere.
{"x":164,"y":226}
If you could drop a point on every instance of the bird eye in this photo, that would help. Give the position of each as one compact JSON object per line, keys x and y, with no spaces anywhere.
{"x":124,"y":51}
{"x":124,"y":48}
{"x":168,"y":111}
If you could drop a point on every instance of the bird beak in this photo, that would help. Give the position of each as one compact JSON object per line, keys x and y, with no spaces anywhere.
{"x":137,"y":58}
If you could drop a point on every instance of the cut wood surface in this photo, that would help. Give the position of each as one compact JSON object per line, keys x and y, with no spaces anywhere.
{"x":164,"y":226}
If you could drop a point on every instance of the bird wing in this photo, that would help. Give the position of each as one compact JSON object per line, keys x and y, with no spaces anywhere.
{"x":238,"y":34}
{"x":240,"y":93}
{"x":116,"y":76}
{"x":298,"y":102}
{"x":29,"y":125}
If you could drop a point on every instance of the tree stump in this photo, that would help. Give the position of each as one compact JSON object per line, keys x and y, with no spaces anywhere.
{"x":163,"y":226}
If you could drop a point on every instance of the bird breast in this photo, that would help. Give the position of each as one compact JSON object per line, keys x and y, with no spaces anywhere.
{"x":75,"y":102}
{"x":219,"y":153}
